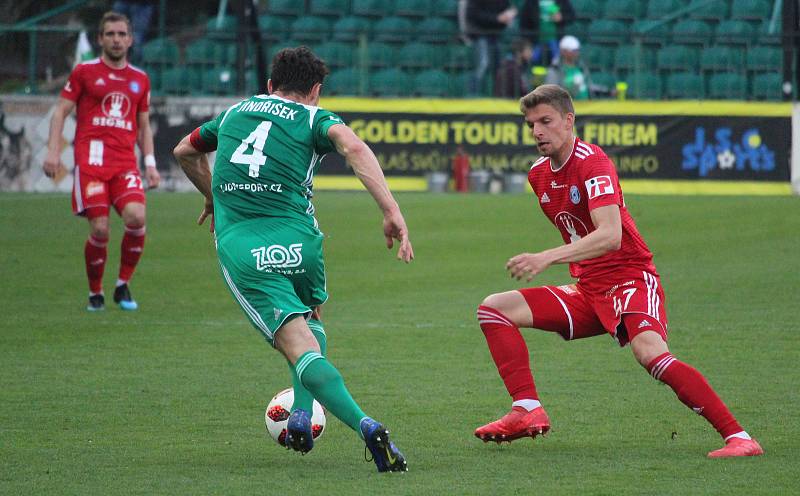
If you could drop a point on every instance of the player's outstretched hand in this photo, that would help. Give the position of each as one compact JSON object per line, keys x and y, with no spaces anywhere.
{"x":394,"y":227}
{"x":52,"y":164}
{"x":527,"y":265}
{"x":152,"y":176}
{"x":208,"y":211}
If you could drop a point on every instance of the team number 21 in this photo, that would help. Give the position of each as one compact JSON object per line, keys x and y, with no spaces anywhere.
{"x":256,"y":159}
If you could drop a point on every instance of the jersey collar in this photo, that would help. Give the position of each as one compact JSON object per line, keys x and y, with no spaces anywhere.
{"x":569,"y":157}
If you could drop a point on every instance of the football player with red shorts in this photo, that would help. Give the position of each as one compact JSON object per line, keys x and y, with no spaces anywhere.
{"x":112,"y":99}
{"x":618,"y":290}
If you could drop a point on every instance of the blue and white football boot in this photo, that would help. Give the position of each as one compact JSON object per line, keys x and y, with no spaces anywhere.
{"x":384,"y":453}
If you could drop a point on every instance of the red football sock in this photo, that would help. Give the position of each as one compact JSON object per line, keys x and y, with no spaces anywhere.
{"x":510,"y":353}
{"x":94,"y":253}
{"x":695,"y":392}
{"x":131,"y":251}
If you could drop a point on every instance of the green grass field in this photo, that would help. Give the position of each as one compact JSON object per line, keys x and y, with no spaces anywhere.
{"x":170,"y":399}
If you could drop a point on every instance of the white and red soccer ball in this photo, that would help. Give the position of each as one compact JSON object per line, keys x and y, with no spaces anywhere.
{"x":278,"y":412}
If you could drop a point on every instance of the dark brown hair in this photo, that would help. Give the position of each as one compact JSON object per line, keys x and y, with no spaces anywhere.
{"x":550,"y":94}
{"x":297,"y":70}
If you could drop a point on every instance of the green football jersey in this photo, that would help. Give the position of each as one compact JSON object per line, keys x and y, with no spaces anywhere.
{"x":268,"y":150}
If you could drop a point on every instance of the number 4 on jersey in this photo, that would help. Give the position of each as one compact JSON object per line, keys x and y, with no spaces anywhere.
{"x":256,"y":139}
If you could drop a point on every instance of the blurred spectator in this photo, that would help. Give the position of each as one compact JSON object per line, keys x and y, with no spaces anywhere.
{"x":568,"y":71}
{"x":140,"y":12}
{"x":461,"y":170}
{"x":513,"y":79}
{"x":486,"y":20}
{"x":546,"y":20}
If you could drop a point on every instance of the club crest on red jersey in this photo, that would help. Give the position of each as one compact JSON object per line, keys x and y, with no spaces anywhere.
{"x":599,"y":186}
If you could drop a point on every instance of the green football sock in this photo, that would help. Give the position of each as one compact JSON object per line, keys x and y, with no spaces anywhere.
{"x":327,"y":386}
{"x":302,"y":397}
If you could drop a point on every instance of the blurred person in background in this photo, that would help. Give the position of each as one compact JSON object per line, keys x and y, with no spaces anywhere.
{"x":513,"y":79}
{"x":486,"y":20}
{"x":140,"y":12}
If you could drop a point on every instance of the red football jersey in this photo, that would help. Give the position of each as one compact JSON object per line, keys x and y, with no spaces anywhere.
{"x":587,"y":181}
{"x":108,"y":102}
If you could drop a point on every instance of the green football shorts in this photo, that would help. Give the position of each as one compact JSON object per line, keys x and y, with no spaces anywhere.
{"x":274,"y":269}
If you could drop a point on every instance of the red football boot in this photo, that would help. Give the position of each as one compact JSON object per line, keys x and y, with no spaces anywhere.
{"x":738,"y":447}
{"x":517,"y":423}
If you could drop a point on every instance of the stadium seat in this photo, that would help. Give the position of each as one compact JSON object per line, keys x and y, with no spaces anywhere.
{"x":342,"y":82}
{"x":727,"y":86}
{"x":685,"y":85}
{"x":459,"y":83}
{"x":350,"y":28}
{"x":432,"y":82}
{"x":390,"y":82}
{"x":458,"y":56}
{"x":677,"y":58}
{"x":154,"y":73}
{"x":412,"y":8}
{"x":329,"y":8}
{"x":393,"y":29}
{"x":200,"y":52}
{"x":768,"y":86}
{"x":580,"y":29}
{"x":764,"y":58}
{"x":651,"y":32}
{"x":734,"y":32}
{"x":174,"y":81}
{"x":436,"y":30}
{"x":371,"y":8}
{"x":160,"y":51}
{"x":751,"y":10}
{"x":380,"y":54}
{"x":604,"y":79}
{"x":721,"y":58}
{"x":645,"y":86}
{"x":444,"y":8}
{"x":311,"y":29}
{"x":286,"y":7}
{"x":273,"y":28}
{"x":588,"y":9}
{"x":657,"y":9}
{"x":627,"y":58}
{"x":607,"y":31}
{"x":337,"y":54}
{"x":416,"y":55}
{"x":224,"y":28}
{"x":691,"y":31}
{"x":597,"y":58}
{"x":711,"y":10}
{"x":769,"y":34}
{"x":627,"y":10}
{"x":220,"y":81}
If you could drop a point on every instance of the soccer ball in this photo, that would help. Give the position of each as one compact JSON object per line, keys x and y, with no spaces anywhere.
{"x":278,"y":413}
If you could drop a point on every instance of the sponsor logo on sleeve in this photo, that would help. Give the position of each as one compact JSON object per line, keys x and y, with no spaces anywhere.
{"x":599,"y":186}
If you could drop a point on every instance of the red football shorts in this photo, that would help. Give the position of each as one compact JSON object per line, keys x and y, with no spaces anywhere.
{"x":630,"y":305}
{"x":92,"y":196}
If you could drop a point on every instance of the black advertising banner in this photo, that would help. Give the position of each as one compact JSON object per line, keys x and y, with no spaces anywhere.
{"x":659,"y":146}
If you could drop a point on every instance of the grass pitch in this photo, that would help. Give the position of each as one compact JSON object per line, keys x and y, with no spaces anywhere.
{"x":170,"y":399}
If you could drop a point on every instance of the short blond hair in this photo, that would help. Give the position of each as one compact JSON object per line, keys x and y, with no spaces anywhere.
{"x":550,"y":94}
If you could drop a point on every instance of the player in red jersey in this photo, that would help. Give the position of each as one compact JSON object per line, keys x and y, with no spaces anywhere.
{"x":618,"y":290}
{"x":113,"y":114}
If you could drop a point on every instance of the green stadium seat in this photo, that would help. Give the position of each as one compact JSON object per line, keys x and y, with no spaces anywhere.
{"x":311,"y":29}
{"x":220,"y":81}
{"x":625,"y":58}
{"x":727,"y":86}
{"x":604,"y":79}
{"x":371,"y":8}
{"x":286,"y":7}
{"x":174,"y":81}
{"x":154,"y":73}
{"x":444,"y":8}
{"x":459,"y":83}
{"x":721,"y":58}
{"x":160,"y":51}
{"x":380,"y":54}
{"x":432,"y":82}
{"x":416,"y":55}
{"x":390,"y":82}
{"x":200,"y":52}
{"x":711,"y":10}
{"x":412,"y":8}
{"x":580,"y":29}
{"x":658,"y":9}
{"x":436,"y":30}
{"x":685,"y":85}
{"x":342,"y":82}
{"x":588,"y":9}
{"x":224,"y":28}
{"x":768,"y":86}
{"x":623,"y":9}
{"x":751,"y":10}
{"x":651,"y":32}
{"x":644,"y":86}
{"x":734,"y":32}
{"x":393,"y":29}
{"x":764,"y":58}
{"x":768,"y":36}
{"x":273,"y":28}
{"x":608,"y":31}
{"x":597,"y":58}
{"x":677,"y":58}
{"x":350,"y":28}
{"x":329,"y":8}
{"x":458,"y":56}
{"x":337,"y":54}
{"x":691,"y":31}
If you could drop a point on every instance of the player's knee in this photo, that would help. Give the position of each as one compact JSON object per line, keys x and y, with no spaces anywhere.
{"x":135,"y":221}
{"x":99,"y":230}
{"x":493,"y":301}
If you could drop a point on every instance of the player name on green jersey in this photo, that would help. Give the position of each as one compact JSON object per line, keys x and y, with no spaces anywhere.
{"x":268,"y":151}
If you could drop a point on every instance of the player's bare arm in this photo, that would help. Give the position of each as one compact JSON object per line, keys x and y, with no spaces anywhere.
{"x":605,"y":238}
{"x":145,"y":139}
{"x":365,"y":165}
{"x":52,"y":162}
{"x":195,"y":165}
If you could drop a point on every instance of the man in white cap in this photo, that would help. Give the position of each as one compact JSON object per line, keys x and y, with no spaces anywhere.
{"x":568,"y":71}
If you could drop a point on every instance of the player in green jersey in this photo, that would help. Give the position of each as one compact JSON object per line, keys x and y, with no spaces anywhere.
{"x":268,"y":242}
